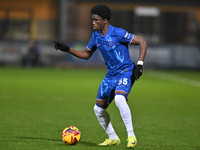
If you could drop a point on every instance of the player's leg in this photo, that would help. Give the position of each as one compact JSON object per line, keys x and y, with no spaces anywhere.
{"x":120,"y":100}
{"x":102,"y":115}
{"x":122,"y":89}
{"x":104,"y":120}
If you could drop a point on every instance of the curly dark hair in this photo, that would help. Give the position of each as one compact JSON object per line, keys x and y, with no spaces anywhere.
{"x":102,"y":10}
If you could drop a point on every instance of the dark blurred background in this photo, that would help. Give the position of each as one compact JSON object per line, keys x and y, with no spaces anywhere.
{"x":28,"y":29}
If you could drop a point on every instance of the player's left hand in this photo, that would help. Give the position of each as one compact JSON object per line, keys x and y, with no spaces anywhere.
{"x":138,"y":71}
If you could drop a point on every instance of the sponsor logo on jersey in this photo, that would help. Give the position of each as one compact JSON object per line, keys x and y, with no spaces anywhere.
{"x":127,"y":35}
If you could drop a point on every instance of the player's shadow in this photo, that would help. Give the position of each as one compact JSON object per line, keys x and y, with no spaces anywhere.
{"x":87,"y":143}
{"x":36,"y":138}
{"x":57,"y":140}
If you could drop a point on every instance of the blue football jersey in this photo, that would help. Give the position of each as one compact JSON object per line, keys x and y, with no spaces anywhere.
{"x":113,"y":47}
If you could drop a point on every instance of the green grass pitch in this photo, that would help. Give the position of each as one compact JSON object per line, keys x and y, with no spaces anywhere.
{"x":37,"y":104}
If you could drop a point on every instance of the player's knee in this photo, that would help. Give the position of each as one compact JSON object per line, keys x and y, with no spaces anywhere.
{"x":97,"y":109}
{"x":119,"y":99}
{"x":102,"y":103}
{"x":121,"y":103}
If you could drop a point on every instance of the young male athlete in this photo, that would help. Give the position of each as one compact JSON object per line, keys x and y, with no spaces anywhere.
{"x":121,"y":71}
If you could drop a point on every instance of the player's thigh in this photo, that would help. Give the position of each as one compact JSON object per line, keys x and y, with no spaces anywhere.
{"x":105,"y":91}
{"x":124,"y":84}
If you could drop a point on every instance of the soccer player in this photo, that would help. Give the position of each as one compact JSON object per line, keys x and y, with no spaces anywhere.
{"x":121,"y":71}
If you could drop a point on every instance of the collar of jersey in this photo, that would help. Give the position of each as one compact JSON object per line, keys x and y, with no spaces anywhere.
{"x":98,"y":33}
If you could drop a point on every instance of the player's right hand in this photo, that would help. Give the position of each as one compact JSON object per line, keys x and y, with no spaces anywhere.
{"x":61,"y":46}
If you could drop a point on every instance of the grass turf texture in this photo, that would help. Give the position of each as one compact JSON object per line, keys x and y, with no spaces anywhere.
{"x":37,"y":104}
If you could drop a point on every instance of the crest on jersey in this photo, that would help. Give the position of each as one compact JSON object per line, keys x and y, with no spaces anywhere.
{"x":110,"y":43}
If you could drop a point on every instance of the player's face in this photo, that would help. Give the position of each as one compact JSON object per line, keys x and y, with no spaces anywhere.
{"x":98,"y":22}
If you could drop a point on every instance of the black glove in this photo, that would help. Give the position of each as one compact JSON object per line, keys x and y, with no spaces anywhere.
{"x":138,"y":71}
{"x":61,"y":47}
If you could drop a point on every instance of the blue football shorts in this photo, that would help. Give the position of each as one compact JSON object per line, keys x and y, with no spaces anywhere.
{"x":110,"y":84}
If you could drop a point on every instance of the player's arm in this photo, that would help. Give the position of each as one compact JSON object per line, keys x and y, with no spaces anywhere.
{"x":142,"y":46}
{"x":83,"y":54}
{"x":142,"y":53}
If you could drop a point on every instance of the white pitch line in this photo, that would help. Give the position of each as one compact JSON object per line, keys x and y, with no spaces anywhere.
{"x":175,"y":78}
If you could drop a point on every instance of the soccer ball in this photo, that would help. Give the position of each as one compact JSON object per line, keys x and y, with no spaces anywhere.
{"x":71,"y":135}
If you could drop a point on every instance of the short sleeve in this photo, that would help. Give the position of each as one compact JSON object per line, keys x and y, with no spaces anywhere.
{"x":92,"y":43}
{"x":124,"y":35}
